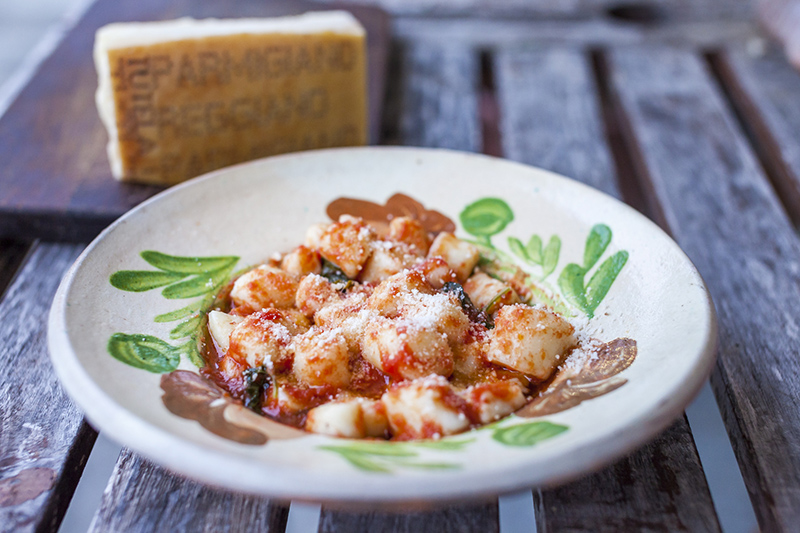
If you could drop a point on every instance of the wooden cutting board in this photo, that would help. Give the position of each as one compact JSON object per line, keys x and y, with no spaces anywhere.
{"x":55,"y":179}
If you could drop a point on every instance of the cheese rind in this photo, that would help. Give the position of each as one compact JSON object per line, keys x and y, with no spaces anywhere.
{"x":180,"y":98}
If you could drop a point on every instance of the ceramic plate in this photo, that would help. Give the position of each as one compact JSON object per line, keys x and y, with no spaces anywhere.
{"x":124,"y":323}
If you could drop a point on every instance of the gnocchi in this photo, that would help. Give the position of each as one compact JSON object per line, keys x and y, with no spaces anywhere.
{"x":395,"y":335}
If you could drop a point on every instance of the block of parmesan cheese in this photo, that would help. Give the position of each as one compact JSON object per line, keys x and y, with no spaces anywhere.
{"x":183,"y":97}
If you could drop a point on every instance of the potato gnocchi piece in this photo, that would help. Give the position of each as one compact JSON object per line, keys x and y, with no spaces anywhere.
{"x":492,"y":401}
{"x":529,"y":340}
{"x":301,"y":261}
{"x":403,"y":350}
{"x":436,"y":271}
{"x":347,"y":244}
{"x":411,"y":232}
{"x":264,"y":286}
{"x":314,"y":235}
{"x":460,"y":255}
{"x":425,"y":408}
{"x":386,"y":260}
{"x":469,"y":360}
{"x":349,"y":315}
{"x":262,"y":338}
{"x":220,"y":327}
{"x":313,"y":293}
{"x":489,"y":294}
{"x":321,"y":357}
{"x":353,"y":419}
{"x":439,"y":312}
{"x":388,"y":297}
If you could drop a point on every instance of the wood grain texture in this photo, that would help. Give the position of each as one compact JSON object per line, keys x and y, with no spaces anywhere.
{"x":661,"y":487}
{"x":44,"y":441}
{"x":720,"y":208}
{"x":439,"y":108}
{"x":55,"y":179}
{"x":518,"y":31}
{"x":451,"y":519}
{"x":144,"y":497}
{"x":711,"y":9}
{"x":551,"y":119}
{"x":440,"y":97}
{"x":766,"y":93}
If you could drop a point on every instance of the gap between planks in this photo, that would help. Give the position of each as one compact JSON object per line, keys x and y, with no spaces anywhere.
{"x":761,"y":139}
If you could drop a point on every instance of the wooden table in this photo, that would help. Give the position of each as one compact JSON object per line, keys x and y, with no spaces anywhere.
{"x":678,"y":108}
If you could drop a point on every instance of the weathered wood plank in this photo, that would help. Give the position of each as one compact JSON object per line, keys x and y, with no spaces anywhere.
{"x":144,"y":497}
{"x":485,"y":33}
{"x":698,"y":9}
{"x":766,"y":92}
{"x":551,"y":119}
{"x":720,"y":208}
{"x":44,"y":441}
{"x":661,"y":487}
{"x":454,"y":518}
{"x":550,"y":115}
{"x":440,"y":98}
{"x":439,"y":108}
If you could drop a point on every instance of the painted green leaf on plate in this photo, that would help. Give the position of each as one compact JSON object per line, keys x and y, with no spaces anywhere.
{"x":527,"y":434}
{"x":196,"y":285}
{"x":144,"y":351}
{"x":188,"y":265}
{"x":486,"y":217}
{"x":596,"y":243}
{"x":143,"y":280}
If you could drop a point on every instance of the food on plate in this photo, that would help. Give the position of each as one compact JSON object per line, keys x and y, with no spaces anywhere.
{"x":184,"y":97}
{"x":396,"y":336}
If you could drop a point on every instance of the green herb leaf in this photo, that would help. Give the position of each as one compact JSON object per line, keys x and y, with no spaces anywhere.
{"x":534,"y":249}
{"x":528,"y":434}
{"x":333,"y":273}
{"x":596,"y":243}
{"x":183,"y":312}
{"x":142,"y":280}
{"x":197,"y":285}
{"x":490,"y":307}
{"x":550,"y":258}
{"x":144,"y":351}
{"x":518,"y":249}
{"x":601,"y":281}
{"x":474,"y":314}
{"x":188,"y":265}
{"x":255,"y":380}
{"x":486,"y":217}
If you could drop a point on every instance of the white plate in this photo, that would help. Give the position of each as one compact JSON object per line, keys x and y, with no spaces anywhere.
{"x":254,"y":209}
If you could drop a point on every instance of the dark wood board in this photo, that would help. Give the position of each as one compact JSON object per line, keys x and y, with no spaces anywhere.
{"x":143,"y":497}
{"x":55,"y":179}
{"x":558,"y":127}
{"x":720,"y":207}
{"x":44,"y":441}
